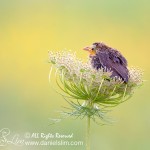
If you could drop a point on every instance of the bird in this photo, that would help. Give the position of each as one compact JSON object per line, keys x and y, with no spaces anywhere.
{"x":104,"y":57}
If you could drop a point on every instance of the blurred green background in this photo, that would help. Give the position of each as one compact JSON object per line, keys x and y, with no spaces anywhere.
{"x":29,"y":28}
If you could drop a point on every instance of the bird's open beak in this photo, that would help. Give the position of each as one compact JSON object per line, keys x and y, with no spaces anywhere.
{"x":89,"y":49}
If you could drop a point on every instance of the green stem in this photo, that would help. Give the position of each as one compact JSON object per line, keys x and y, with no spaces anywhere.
{"x":88,"y":134}
{"x":88,"y":104}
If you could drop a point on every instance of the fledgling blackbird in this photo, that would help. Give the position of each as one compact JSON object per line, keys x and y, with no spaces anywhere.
{"x":103,"y":56}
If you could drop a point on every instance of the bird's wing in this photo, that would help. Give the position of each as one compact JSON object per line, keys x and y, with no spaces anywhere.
{"x":117,"y":63}
{"x":116,"y":56}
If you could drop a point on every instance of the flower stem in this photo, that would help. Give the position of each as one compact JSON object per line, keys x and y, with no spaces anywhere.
{"x":90,"y":105}
{"x":88,"y":134}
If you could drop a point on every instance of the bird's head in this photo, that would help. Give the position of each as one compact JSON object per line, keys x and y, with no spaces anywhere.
{"x":95,"y":47}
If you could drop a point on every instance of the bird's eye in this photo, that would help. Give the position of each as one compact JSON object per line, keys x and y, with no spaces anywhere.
{"x":92,"y":49}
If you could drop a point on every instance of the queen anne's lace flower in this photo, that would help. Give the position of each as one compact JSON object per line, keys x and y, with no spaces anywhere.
{"x":80,"y":81}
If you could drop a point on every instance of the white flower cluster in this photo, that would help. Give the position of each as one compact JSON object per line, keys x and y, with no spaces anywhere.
{"x":76,"y":71}
{"x":75,"y":68}
{"x":135,"y":76}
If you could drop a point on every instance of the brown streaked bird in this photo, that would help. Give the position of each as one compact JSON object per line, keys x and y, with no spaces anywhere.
{"x":103,"y":56}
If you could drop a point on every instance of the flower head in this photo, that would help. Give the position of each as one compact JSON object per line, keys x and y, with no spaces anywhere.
{"x":81,"y":81}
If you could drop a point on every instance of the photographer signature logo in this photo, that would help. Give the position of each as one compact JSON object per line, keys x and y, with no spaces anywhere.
{"x":7,"y":139}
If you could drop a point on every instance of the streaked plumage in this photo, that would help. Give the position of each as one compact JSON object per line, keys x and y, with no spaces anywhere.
{"x":103,"y":56}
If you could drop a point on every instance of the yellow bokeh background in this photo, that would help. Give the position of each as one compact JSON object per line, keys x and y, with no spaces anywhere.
{"x":29,"y":28}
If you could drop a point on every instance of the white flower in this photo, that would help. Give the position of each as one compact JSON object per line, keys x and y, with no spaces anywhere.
{"x":81,"y":81}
